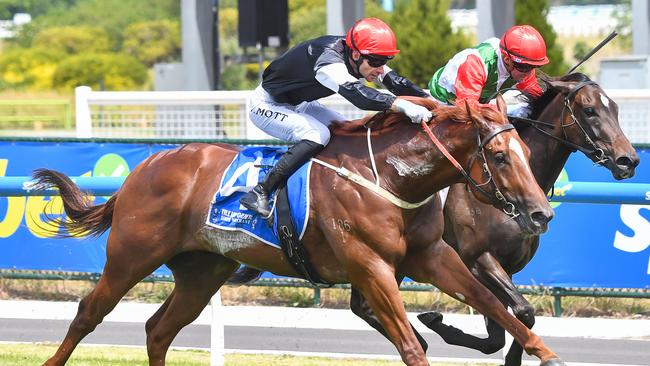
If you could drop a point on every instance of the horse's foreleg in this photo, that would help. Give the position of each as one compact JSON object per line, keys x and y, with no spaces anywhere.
{"x":121,"y":273}
{"x":376,"y":282}
{"x":360,"y":308}
{"x":441,"y":266}
{"x":496,"y":279}
{"x":197,"y":276}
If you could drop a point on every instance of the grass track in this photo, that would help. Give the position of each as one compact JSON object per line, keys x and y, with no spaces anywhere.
{"x":36,"y":354}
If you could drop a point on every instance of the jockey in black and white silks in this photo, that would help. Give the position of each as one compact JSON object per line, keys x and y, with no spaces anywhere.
{"x":285,"y":105}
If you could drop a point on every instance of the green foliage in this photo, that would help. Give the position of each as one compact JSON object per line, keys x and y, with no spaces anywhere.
{"x":307,"y":20}
{"x":34,"y":7}
{"x":153,"y":41}
{"x":112,"y":71}
{"x":111,"y":15}
{"x":228,"y":23}
{"x":374,"y":9}
{"x":73,"y":40}
{"x":424,"y":37}
{"x":624,"y":25}
{"x":534,"y":12}
{"x":580,"y":50}
{"x":28,"y":69}
{"x":236,"y":77}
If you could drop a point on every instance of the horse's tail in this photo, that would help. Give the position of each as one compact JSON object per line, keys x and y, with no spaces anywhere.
{"x":84,"y":218}
{"x":244,"y":275}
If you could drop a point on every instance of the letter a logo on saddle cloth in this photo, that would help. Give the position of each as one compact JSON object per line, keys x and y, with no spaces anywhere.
{"x":245,"y":171}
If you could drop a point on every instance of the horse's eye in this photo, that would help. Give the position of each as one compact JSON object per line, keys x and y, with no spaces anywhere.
{"x":590,"y":111}
{"x":500,"y":158}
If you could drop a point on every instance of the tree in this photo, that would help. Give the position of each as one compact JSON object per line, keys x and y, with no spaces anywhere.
{"x":114,"y":16}
{"x":33,"y":7}
{"x":28,"y":69}
{"x":110,"y":71}
{"x":153,"y":41}
{"x":424,"y":37}
{"x":534,"y":12}
{"x":73,"y":40}
{"x":307,"y":20}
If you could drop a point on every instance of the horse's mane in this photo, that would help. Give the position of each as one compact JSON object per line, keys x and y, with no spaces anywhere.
{"x":539,"y":104}
{"x":382,"y":121}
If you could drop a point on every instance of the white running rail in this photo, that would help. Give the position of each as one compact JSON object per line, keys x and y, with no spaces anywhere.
{"x":223,"y":114}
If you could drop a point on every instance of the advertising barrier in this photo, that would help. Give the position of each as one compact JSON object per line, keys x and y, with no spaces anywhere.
{"x":588,"y":245}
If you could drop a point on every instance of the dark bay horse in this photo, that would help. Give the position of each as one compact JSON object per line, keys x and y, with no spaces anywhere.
{"x":158,"y":217}
{"x":573,"y":114}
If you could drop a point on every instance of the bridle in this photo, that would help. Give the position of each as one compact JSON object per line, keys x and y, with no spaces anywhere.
{"x":497,"y":199}
{"x":597,"y":153}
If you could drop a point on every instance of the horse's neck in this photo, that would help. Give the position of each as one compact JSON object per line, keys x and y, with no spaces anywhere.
{"x":548,"y":156}
{"x":415,"y":169}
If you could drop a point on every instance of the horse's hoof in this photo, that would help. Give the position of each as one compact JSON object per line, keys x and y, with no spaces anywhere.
{"x":430,"y":319}
{"x":553,"y":362}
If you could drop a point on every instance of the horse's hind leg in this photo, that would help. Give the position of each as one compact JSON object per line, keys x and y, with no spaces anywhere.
{"x":197,"y":276}
{"x":120,"y":274}
{"x":457,"y":337}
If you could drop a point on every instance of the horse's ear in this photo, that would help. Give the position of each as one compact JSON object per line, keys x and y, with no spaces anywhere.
{"x":470,"y":112}
{"x":501,"y":105}
{"x":474,"y":115}
{"x":561,"y":86}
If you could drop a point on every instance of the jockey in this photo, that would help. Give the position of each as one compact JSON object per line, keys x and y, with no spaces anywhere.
{"x":475,"y":74}
{"x":285,"y":104}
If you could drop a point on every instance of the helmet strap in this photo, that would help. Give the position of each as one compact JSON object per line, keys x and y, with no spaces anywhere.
{"x":357,"y":63}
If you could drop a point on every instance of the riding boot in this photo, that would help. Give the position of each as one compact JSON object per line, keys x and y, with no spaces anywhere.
{"x":258,"y":199}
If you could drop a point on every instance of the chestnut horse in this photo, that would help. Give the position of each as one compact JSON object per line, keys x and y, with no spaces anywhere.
{"x":158,"y":217}
{"x":573,"y":114}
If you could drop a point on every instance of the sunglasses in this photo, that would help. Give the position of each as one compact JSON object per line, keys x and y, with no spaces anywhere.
{"x":522,"y":67}
{"x":377,"y":61}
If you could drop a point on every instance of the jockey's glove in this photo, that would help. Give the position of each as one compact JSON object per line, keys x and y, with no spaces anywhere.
{"x":413,"y":111}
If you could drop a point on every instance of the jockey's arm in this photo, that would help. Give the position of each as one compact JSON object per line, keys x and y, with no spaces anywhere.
{"x":400,"y":85}
{"x":530,"y":86}
{"x":470,"y":81}
{"x":335,"y":77}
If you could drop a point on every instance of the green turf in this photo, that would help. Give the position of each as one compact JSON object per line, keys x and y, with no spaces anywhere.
{"x":36,"y":354}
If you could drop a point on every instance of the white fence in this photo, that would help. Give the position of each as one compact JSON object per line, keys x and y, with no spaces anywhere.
{"x":223,"y":114}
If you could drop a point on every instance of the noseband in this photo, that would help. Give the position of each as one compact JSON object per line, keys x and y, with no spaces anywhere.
{"x":596,"y":152}
{"x":497,"y":199}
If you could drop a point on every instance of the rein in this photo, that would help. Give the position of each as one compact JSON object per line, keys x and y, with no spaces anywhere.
{"x":498,"y":199}
{"x":598,"y":153}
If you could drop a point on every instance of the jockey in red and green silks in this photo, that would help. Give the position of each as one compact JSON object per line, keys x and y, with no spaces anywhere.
{"x":475,"y":74}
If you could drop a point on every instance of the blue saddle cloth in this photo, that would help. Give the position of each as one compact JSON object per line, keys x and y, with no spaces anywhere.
{"x":246,"y":170}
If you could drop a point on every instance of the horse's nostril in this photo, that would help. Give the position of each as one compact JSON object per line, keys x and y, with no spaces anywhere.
{"x":626,"y":161}
{"x":540,"y":218}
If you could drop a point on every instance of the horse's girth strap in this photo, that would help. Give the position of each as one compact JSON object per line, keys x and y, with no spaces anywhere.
{"x":341,"y":171}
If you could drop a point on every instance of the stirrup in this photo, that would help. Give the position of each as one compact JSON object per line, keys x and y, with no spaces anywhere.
{"x":257,"y":200}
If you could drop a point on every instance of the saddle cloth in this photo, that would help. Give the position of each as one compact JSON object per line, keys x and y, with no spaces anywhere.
{"x":248,"y":168}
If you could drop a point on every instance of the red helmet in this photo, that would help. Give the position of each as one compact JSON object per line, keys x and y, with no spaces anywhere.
{"x":524,"y":45}
{"x":371,"y":36}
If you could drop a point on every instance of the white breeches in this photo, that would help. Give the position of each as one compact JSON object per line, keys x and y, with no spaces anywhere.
{"x":305,"y":121}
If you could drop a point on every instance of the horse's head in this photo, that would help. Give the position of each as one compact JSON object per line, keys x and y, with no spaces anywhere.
{"x":501,"y":167}
{"x":589,"y":119}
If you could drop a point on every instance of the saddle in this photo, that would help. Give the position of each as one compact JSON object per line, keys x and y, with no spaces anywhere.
{"x":280,"y":231}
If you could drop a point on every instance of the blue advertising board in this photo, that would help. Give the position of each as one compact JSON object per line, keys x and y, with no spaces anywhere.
{"x":26,"y":240}
{"x":594,"y":245}
{"x":588,"y":245}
